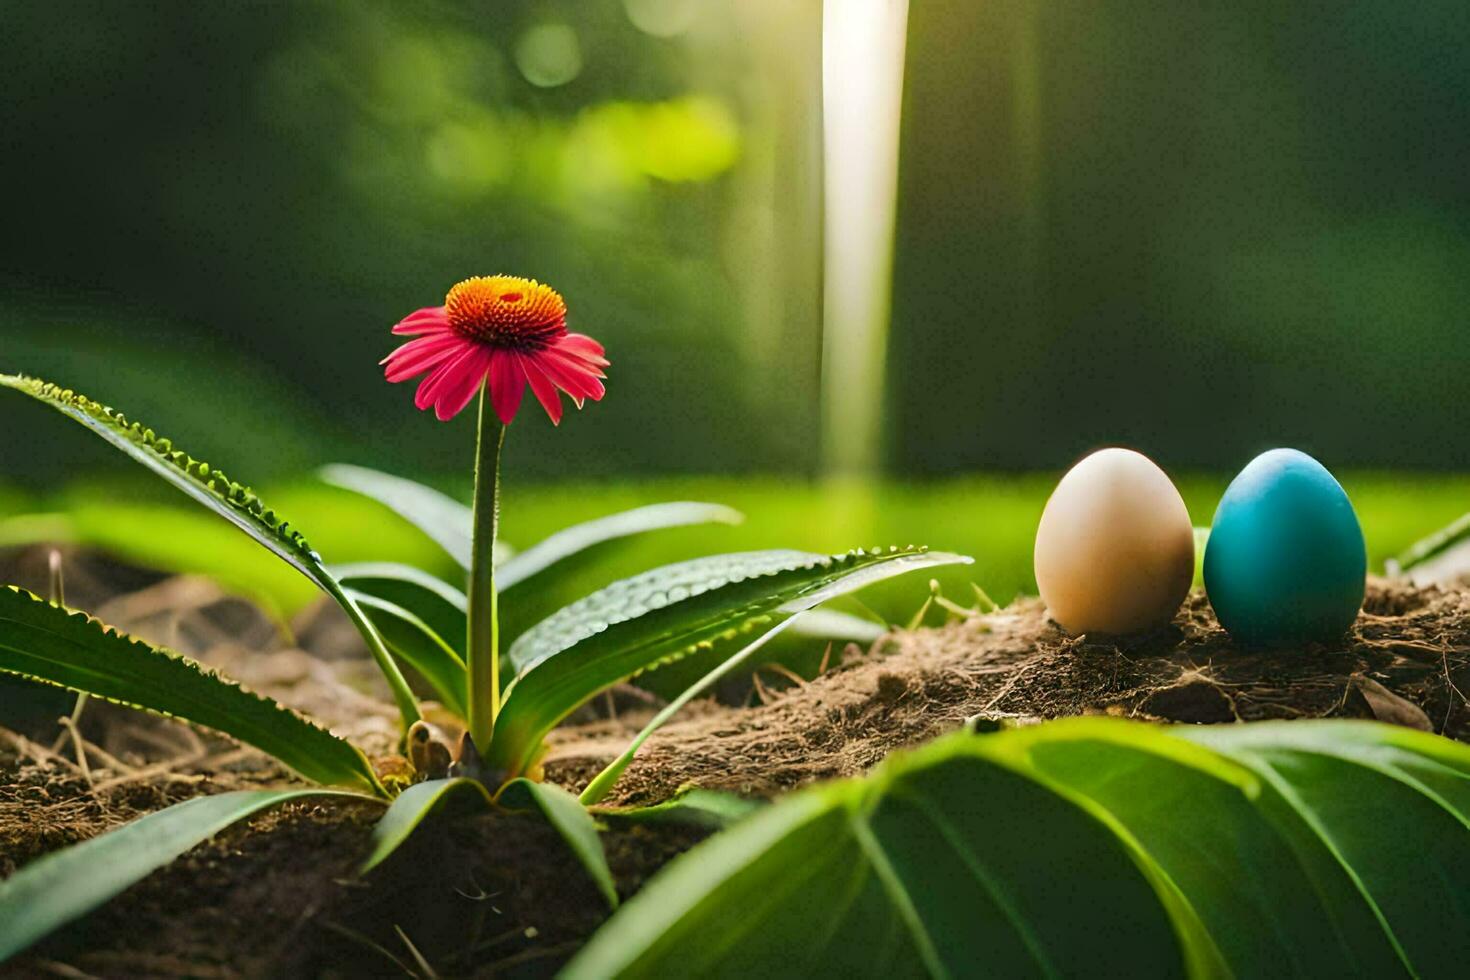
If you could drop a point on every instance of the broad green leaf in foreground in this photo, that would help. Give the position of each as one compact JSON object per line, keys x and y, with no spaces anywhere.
{"x":233,"y":501}
{"x":47,"y":643}
{"x":1280,"y":849}
{"x":638,"y":623}
{"x":1392,"y":806}
{"x":560,"y":809}
{"x":53,"y":890}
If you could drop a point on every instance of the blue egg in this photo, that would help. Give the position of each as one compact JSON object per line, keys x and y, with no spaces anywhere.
{"x":1285,"y":563}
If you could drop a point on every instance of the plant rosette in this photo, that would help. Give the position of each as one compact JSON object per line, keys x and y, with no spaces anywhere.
{"x":494,"y":336}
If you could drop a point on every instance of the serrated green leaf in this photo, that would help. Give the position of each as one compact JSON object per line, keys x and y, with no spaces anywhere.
{"x":233,"y":501}
{"x":69,"y":649}
{"x":60,"y":887}
{"x":207,"y":485}
{"x":415,"y":643}
{"x":580,"y":537}
{"x":856,"y":578}
{"x":637,"y":623}
{"x":647,"y":592}
{"x":1298,"y":849}
{"x":440,"y":605}
{"x":560,"y":808}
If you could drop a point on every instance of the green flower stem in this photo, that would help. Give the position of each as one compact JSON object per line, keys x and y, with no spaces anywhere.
{"x":408,"y":705}
{"x":484,"y":618}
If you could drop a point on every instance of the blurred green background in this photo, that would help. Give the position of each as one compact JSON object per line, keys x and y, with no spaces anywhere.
{"x":1199,"y":229}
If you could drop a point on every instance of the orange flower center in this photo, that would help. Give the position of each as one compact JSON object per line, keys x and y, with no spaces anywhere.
{"x":506,"y":311}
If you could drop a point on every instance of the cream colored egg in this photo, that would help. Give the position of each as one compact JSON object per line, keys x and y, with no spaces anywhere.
{"x":1115,"y":547}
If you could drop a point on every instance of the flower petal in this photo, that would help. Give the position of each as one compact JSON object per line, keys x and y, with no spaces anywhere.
{"x":430,"y":319}
{"x":581,"y":364}
{"x":542,"y":388}
{"x":582,"y":344}
{"x":583,"y":347}
{"x":429,"y":392}
{"x":575,"y":379}
{"x":420,"y":355}
{"x":458,"y":390}
{"x":424,"y":396}
{"x":507,"y":385}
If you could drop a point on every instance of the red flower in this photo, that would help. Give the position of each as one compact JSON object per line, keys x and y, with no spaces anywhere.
{"x":503,"y":331}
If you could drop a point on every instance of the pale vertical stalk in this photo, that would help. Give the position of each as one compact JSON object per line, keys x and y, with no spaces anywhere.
{"x":57,"y":583}
{"x":863,"y":43}
{"x":483,"y":641}
{"x":57,"y":595}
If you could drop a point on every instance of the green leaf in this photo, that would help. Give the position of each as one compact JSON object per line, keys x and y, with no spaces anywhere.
{"x":651,"y":591}
{"x":692,"y":806}
{"x":941,"y":864}
{"x":560,"y":809}
{"x":415,"y":643}
{"x":412,"y":807}
{"x":445,"y":520}
{"x":1284,"y":849}
{"x":1392,"y":806}
{"x":57,"y":646}
{"x":440,"y":605}
{"x":832,"y":624}
{"x":233,"y":501}
{"x":661,"y":615}
{"x":1269,"y":906}
{"x":1432,"y":546}
{"x":579,"y":537}
{"x":65,"y":885}
{"x":571,"y":820}
{"x":815,"y":641}
{"x":604,"y":781}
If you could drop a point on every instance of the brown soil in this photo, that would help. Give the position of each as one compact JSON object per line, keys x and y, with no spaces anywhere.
{"x":1407,"y":661}
{"x":496,"y":894}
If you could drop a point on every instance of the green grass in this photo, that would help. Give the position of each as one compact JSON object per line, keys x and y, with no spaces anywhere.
{"x":992,"y":518}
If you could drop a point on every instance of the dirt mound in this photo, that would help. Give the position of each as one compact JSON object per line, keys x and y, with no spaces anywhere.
{"x":1407,"y":661}
{"x":498,"y":894}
